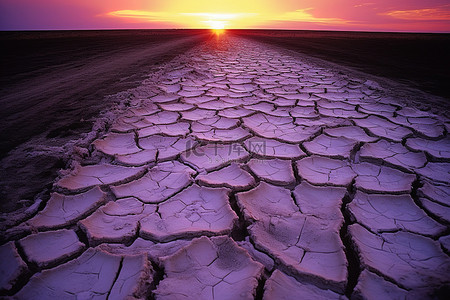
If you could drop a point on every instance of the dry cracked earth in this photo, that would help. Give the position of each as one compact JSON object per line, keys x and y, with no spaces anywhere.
{"x":245,"y":173}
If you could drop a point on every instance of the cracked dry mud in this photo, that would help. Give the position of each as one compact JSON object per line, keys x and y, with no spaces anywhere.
{"x":245,"y":172}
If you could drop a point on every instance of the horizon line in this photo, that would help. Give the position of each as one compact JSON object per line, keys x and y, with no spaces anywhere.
{"x":272,"y":29}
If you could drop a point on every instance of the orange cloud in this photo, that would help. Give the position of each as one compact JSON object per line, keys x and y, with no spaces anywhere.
{"x":304,"y":15}
{"x":225,"y":20}
{"x":428,"y":14}
{"x":218,"y":21}
{"x":140,"y":14}
{"x":364,"y":4}
{"x":191,"y":20}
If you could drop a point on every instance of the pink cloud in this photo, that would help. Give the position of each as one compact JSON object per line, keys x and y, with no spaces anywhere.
{"x":424,"y":14}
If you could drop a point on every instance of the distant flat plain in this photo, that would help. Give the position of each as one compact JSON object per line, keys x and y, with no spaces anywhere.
{"x":51,"y":80}
{"x":420,"y":60}
{"x":54,"y":83}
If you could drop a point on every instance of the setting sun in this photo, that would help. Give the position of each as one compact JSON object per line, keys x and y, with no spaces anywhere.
{"x":216,"y":25}
{"x":213,"y":20}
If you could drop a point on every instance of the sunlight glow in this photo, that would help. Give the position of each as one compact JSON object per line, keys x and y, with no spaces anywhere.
{"x":214,"y":24}
{"x":287,"y":14}
{"x":226,"y":20}
{"x":214,"y":20}
{"x":195,"y":20}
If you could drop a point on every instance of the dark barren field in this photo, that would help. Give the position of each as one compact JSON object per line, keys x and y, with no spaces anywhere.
{"x":52,"y":85}
{"x":419,"y":60}
{"x":52,"y":82}
{"x":49,"y":80}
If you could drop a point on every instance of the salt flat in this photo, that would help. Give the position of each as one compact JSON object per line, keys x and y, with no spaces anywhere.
{"x":243,"y":171}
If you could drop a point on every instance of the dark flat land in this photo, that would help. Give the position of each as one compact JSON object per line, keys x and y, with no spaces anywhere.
{"x":52,"y":83}
{"x":418,"y":60}
{"x":52,"y":80}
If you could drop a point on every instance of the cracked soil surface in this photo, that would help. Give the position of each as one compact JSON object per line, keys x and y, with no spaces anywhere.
{"x":245,"y":172}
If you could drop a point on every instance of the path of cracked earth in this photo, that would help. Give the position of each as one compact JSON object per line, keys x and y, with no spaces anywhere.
{"x":246,"y":173}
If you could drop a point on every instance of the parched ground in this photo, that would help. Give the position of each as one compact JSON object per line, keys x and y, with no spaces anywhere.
{"x":247,"y":172}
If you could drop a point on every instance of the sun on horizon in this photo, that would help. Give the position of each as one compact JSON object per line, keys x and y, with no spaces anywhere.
{"x":216,"y":25}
